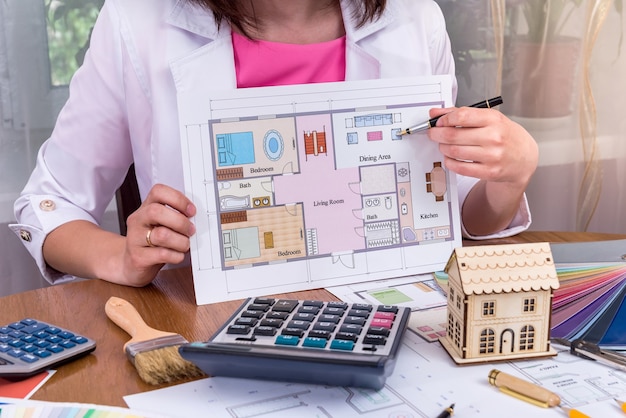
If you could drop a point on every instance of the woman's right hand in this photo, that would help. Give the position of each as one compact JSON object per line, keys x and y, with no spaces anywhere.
{"x":157,"y":234}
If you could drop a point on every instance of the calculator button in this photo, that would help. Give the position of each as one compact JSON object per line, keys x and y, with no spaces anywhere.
{"x":53,"y":330}
{"x":379,"y":331}
{"x":67,"y":344}
{"x":42,"y":343}
{"x":15,"y":352}
{"x":29,"y":339}
{"x":316,"y":303}
{"x":346,"y":336}
{"x":253,"y":314}
{"x":238,"y":329}
{"x":332,"y":310}
{"x":29,"y":358}
{"x":330,"y":318}
{"x":285,"y":305}
{"x":287,"y":340}
{"x":42,"y":353}
{"x":377,"y":322}
{"x":17,"y":343}
{"x":363,"y":306}
{"x":354,"y":328}
{"x":271,"y":322}
{"x":264,"y":301}
{"x":325,"y":326}
{"x":299,"y":324}
{"x":344,"y":345}
{"x":335,"y":304}
{"x":17,"y":325}
{"x":375,"y":340}
{"x":5,"y":330}
{"x":258,"y":307}
{"x":262,"y":330}
{"x":297,"y":332}
{"x":309,"y":309}
{"x":314,"y":342}
{"x":33,"y":328}
{"x":55,"y":348}
{"x":387,"y":308}
{"x":304,"y":317}
{"x":247,"y":321}
{"x":363,"y":313}
{"x":4,"y":348}
{"x":65,"y":335}
{"x":355,"y":320}
{"x":54,"y":339}
{"x":318,"y":333}
{"x":29,"y":348}
{"x":277,"y":315}
{"x":385,"y":315}
{"x":79,"y":339}
{"x":28,"y":321}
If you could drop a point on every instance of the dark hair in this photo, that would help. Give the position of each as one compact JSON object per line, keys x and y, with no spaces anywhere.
{"x":233,"y":12}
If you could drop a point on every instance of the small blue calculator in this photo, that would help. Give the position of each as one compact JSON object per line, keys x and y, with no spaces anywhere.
{"x":28,"y":347}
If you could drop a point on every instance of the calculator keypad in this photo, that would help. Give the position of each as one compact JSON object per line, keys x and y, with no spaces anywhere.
{"x":310,"y":324}
{"x":28,"y":346}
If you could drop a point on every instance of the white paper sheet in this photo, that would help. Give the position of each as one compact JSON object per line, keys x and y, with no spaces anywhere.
{"x":310,"y":186}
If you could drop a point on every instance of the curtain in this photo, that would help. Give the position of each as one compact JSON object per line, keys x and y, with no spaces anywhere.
{"x":559,"y":66}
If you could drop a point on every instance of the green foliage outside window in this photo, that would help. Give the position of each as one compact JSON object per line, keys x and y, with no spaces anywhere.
{"x":69,"y":27}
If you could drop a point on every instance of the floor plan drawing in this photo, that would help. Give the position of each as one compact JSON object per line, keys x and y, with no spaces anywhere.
{"x":310,"y":186}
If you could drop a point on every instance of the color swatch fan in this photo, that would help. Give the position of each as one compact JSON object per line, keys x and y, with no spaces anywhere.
{"x":590,"y":304}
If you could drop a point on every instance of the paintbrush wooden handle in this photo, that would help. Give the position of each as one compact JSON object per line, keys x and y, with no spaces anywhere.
{"x":124,"y":315}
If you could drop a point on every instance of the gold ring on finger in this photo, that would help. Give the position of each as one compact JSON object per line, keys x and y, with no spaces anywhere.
{"x":150,"y":244}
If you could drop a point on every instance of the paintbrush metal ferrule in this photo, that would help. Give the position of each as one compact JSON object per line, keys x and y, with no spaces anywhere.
{"x":139,"y":347}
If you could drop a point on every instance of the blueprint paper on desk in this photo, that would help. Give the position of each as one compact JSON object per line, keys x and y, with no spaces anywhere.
{"x":424,"y":382}
{"x":310,"y":186}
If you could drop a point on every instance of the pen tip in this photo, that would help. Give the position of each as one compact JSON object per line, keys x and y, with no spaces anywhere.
{"x":404,"y":132}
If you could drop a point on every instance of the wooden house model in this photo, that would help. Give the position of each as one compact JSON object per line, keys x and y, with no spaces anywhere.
{"x":499,"y":302}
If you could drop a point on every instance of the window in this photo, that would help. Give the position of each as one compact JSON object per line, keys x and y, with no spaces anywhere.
{"x":527,"y":338}
{"x":529,"y":304}
{"x":487,"y":341}
{"x":489,"y":308}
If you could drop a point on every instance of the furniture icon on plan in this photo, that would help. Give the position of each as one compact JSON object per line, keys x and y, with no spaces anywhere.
{"x":436,"y":181}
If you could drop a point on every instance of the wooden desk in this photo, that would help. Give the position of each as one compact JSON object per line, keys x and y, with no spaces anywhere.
{"x":105,"y":376}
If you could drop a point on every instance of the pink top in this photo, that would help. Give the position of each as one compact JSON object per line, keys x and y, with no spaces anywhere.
{"x":263,"y":63}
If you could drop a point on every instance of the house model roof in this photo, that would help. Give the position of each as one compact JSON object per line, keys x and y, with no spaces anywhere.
{"x":490,"y":269}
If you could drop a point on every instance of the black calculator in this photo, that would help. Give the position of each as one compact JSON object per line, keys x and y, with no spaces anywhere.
{"x":28,"y":347}
{"x":305,"y":341}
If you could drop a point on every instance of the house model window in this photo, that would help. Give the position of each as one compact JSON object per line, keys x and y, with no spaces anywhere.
{"x":500,"y":302}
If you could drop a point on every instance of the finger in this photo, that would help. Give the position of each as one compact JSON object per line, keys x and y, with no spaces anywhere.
{"x":157,"y":214}
{"x":162,"y":237}
{"x":171,"y":197}
{"x":469,"y":117}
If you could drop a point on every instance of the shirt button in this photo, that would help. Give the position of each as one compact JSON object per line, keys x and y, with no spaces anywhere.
{"x":25,"y":235}
{"x":47,"y":205}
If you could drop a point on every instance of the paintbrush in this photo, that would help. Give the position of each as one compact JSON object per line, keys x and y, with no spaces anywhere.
{"x":154,"y":353}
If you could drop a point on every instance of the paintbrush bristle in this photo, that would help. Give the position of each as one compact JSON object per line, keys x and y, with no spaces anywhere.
{"x":157,"y":360}
{"x":164,"y":365}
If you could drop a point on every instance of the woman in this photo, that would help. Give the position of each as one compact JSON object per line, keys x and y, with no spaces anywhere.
{"x":122,"y":110}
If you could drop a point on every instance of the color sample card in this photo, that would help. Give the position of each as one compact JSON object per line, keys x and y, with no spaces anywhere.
{"x":590,"y":305}
{"x":17,"y":408}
